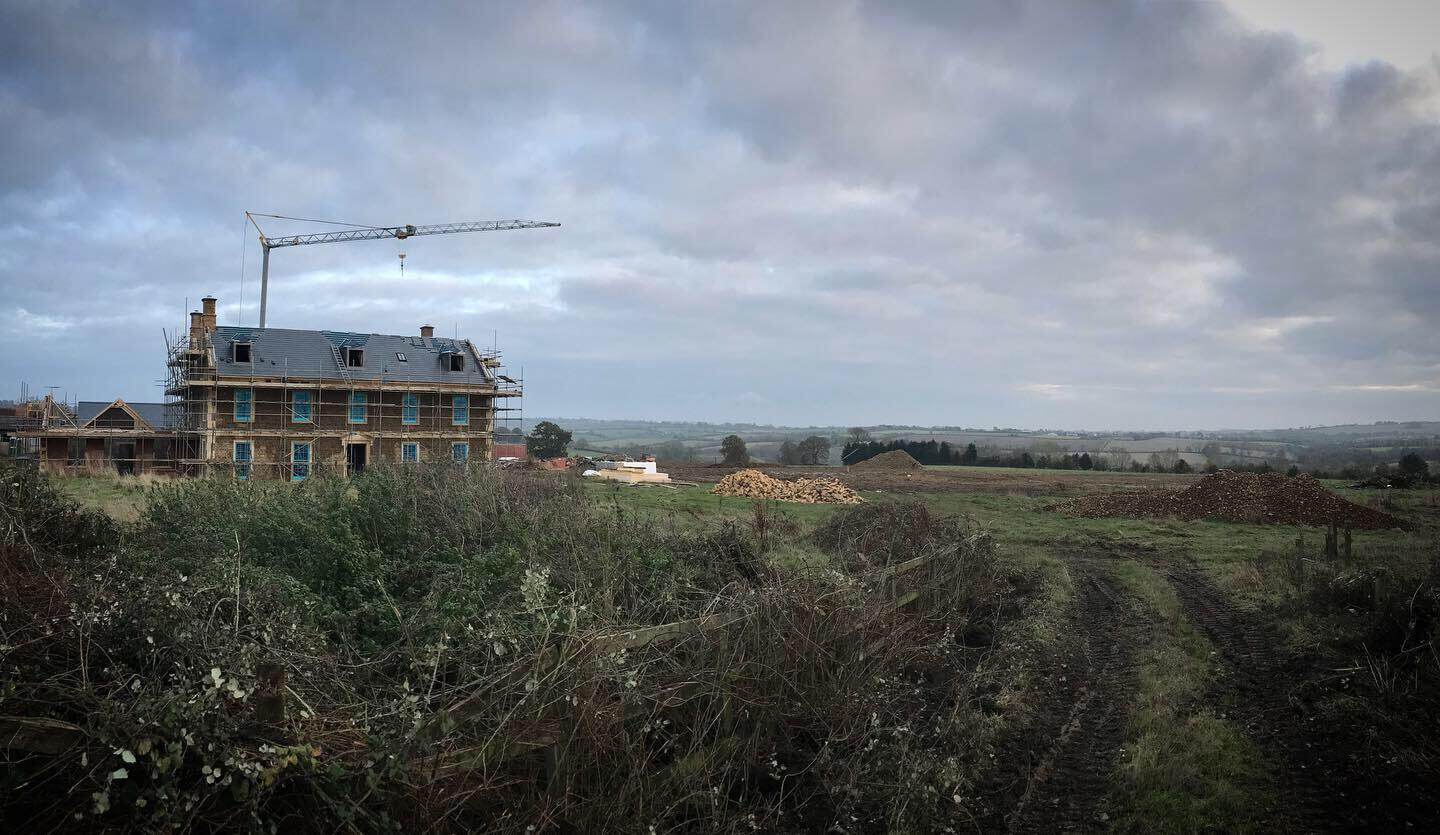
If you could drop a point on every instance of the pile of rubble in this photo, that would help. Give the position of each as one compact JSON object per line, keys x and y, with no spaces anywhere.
{"x":1267,"y":498}
{"x":895,"y":459}
{"x":756,"y":485}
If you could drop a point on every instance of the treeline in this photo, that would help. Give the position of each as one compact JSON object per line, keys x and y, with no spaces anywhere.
{"x":1412,"y":465}
{"x":926,"y":452}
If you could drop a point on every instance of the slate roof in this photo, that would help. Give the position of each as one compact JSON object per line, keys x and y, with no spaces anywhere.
{"x":310,"y":355}
{"x":154,"y":414}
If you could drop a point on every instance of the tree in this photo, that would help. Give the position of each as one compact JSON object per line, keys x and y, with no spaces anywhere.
{"x":732,"y":450}
{"x":1182,"y":466}
{"x":814,"y":450}
{"x":789,"y":453}
{"x":547,"y":440}
{"x":970,"y":455}
{"x":675,"y":451}
{"x":1119,"y":457}
{"x":1411,"y":464}
{"x":858,"y":435}
{"x":1085,"y":463}
{"x":1164,"y":462}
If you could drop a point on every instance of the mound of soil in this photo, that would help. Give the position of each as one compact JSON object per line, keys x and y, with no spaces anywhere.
{"x":895,"y":459}
{"x":1267,"y":498}
{"x":756,"y":485}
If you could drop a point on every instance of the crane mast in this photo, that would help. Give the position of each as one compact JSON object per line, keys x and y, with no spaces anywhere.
{"x":369,"y":233}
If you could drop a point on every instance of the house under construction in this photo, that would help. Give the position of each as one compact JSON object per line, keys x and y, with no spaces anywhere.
{"x":98,"y":436}
{"x":276,"y":403}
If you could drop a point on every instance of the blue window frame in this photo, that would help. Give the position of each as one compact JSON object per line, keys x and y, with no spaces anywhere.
{"x":409,"y":452}
{"x":410,"y":409}
{"x":460,"y":410}
{"x":299,"y":460}
{"x":244,"y":405}
{"x":300,"y":407}
{"x":357,"y":407}
{"x":460,"y":452}
{"x":242,"y":457}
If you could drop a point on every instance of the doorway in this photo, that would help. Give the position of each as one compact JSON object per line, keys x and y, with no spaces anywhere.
{"x":354,"y":459}
{"x":122,"y":453}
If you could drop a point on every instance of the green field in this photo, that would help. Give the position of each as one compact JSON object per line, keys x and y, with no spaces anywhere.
{"x":1140,"y":675}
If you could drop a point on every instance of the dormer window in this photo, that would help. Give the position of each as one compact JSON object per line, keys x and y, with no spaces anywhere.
{"x":240,"y":351}
{"x":355,"y":357}
{"x":457,"y":361}
{"x":400,"y":355}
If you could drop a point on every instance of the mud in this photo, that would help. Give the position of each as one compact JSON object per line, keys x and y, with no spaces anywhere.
{"x":1056,"y":775}
{"x":1328,"y":784}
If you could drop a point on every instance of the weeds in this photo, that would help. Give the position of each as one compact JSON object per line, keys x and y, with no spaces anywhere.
{"x":438,"y":648}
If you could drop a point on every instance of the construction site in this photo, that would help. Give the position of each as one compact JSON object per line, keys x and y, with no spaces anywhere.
{"x":283,"y":403}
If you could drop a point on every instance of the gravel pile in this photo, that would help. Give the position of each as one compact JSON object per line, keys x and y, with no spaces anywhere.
{"x":1266,"y":498}
{"x":895,"y":459}
{"x":756,"y":485}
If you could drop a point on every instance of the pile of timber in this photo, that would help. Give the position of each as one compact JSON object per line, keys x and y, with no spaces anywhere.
{"x":756,"y":485}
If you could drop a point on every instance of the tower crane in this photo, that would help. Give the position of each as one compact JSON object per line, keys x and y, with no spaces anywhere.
{"x":359,"y":232}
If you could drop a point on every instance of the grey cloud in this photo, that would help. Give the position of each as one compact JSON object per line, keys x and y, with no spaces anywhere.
{"x":957,"y":199}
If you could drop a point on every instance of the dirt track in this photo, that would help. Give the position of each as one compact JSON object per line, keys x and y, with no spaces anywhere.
{"x":1059,"y":775}
{"x":1067,"y":787}
{"x":1270,"y":694}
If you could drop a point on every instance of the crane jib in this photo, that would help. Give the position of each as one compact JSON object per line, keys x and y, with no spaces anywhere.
{"x":403,"y":232}
{"x":368,"y":233}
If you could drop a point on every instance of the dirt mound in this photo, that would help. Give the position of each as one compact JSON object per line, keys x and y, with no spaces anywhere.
{"x":895,"y":459}
{"x":1267,"y":498}
{"x":756,"y":485}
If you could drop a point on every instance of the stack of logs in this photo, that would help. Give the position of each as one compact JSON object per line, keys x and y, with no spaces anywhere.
{"x":757,"y":485}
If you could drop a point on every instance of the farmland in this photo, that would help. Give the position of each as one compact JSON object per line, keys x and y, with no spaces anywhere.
{"x":1323,"y":447}
{"x":1139,"y":674}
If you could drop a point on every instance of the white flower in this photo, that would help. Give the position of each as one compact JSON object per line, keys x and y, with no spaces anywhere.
{"x":127,"y":755}
{"x":119,"y":774}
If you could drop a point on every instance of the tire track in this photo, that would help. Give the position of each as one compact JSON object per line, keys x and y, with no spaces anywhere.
{"x":1067,"y":788}
{"x":1263,"y":690}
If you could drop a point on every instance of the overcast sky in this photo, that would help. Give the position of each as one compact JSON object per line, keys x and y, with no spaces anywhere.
{"x":1049,"y":214}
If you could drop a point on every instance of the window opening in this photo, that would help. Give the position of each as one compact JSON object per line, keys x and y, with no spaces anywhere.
{"x":242,"y":456}
{"x":300,"y":407}
{"x":357,"y":407}
{"x":299,"y":460}
{"x":244,"y":405}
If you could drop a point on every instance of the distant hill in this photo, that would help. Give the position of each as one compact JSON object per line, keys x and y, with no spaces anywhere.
{"x":1328,"y":446}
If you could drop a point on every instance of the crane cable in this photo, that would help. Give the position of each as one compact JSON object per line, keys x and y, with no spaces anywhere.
{"x":314,"y":220}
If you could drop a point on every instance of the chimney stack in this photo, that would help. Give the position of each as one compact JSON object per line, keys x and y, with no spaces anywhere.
{"x":427,"y":331}
{"x":197,"y":328}
{"x":208,"y":317}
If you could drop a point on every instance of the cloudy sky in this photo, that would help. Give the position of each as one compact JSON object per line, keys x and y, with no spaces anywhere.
{"x":1077,"y":214}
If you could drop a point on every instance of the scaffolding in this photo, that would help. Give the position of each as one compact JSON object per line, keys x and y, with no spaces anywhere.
{"x":205,"y":443}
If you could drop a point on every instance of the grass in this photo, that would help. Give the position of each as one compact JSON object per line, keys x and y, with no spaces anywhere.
{"x":1184,"y":764}
{"x":1185,"y":767}
{"x":1027,"y":533}
{"x":122,"y":497}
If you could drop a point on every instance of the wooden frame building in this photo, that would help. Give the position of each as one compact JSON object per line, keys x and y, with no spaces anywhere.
{"x":126,"y":438}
